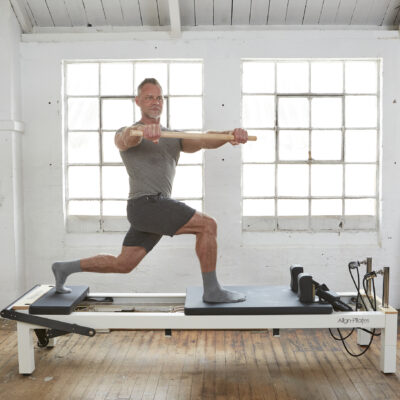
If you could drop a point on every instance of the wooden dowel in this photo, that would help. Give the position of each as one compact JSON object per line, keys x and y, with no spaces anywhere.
{"x":189,"y":135}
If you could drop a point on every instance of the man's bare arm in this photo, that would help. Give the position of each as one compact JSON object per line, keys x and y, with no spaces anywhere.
{"x":193,"y":145}
{"x":124,"y":141}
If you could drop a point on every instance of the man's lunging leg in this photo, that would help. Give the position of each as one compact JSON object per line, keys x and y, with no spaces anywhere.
{"x":129,"y":258}
{"x":205,"y":229}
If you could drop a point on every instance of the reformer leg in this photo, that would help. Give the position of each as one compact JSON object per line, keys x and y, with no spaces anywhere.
{"x":26,"y":355}
{"x":388,"y":344}
{"x":363,"y":338}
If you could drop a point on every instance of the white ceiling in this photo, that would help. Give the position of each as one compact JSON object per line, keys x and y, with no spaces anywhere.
{"x":50,"y":15}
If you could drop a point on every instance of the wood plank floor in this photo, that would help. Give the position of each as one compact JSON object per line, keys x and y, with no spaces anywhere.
{"x":301,"y":364}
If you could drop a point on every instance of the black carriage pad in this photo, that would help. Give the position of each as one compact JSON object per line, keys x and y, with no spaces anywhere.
{"x":260,"y":300}
{"x":59,"y":303}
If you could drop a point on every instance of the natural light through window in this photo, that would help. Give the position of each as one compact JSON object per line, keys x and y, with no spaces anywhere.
{"x":315,"y":164}
{"x":98,"y":100}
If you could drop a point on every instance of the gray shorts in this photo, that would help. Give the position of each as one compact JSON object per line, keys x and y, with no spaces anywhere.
{"x":153,"y":216}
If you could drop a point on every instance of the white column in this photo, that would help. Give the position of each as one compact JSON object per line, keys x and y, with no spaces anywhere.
{"x":11,"y":207}
{"x":223,"y":166}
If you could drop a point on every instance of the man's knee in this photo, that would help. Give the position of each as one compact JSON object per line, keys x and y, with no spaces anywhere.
{"x":210,"y":225}
{"x":125,"y":266}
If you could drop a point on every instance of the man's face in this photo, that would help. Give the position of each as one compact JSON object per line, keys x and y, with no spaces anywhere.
{"x":150,"y":101}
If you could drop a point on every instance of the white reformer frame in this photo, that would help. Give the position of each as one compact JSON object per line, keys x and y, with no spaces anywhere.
{"x":384,"y":319}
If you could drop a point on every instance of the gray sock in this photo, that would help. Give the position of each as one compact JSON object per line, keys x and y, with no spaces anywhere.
{"x":62,"y":270}
{"x":214,"y":293}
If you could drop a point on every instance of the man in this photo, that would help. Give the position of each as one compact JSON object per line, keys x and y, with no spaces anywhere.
{"x":150,"y":162}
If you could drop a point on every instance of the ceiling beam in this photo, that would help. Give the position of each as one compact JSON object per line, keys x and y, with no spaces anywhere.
{"x":22,"y":16}
{"x":344,"y":32}
{"x":175,"y":18}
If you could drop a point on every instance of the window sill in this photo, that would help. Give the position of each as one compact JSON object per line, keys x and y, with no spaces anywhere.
{"x":335,"y":224}
{"x":312,"y":239}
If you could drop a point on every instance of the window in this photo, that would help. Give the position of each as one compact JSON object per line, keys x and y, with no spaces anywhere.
{"x":315,"y":164}
{"x":98,"y":100}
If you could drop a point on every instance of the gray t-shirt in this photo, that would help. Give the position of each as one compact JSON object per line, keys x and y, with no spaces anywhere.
{"x":151,"y":167}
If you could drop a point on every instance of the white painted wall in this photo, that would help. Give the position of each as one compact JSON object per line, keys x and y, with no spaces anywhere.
{"x":12,"y":278}
{"x":251,"y":258}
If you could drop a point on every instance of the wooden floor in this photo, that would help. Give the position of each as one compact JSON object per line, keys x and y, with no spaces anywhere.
{"x":301,"y":364}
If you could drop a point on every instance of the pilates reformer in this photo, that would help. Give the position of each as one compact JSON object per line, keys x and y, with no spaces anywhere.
{"x":303,"y":304}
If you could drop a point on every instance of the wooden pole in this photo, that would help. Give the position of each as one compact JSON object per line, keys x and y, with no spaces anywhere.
{"x":189,"y":135}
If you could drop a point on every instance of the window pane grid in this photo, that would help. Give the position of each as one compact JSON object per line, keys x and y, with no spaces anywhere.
{"x":337,"y":138}
{"x":101,"y":146}
{"x":97,"y":205}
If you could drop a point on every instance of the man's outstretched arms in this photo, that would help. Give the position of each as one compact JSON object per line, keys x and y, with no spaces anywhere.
{"x":124,"y":140}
